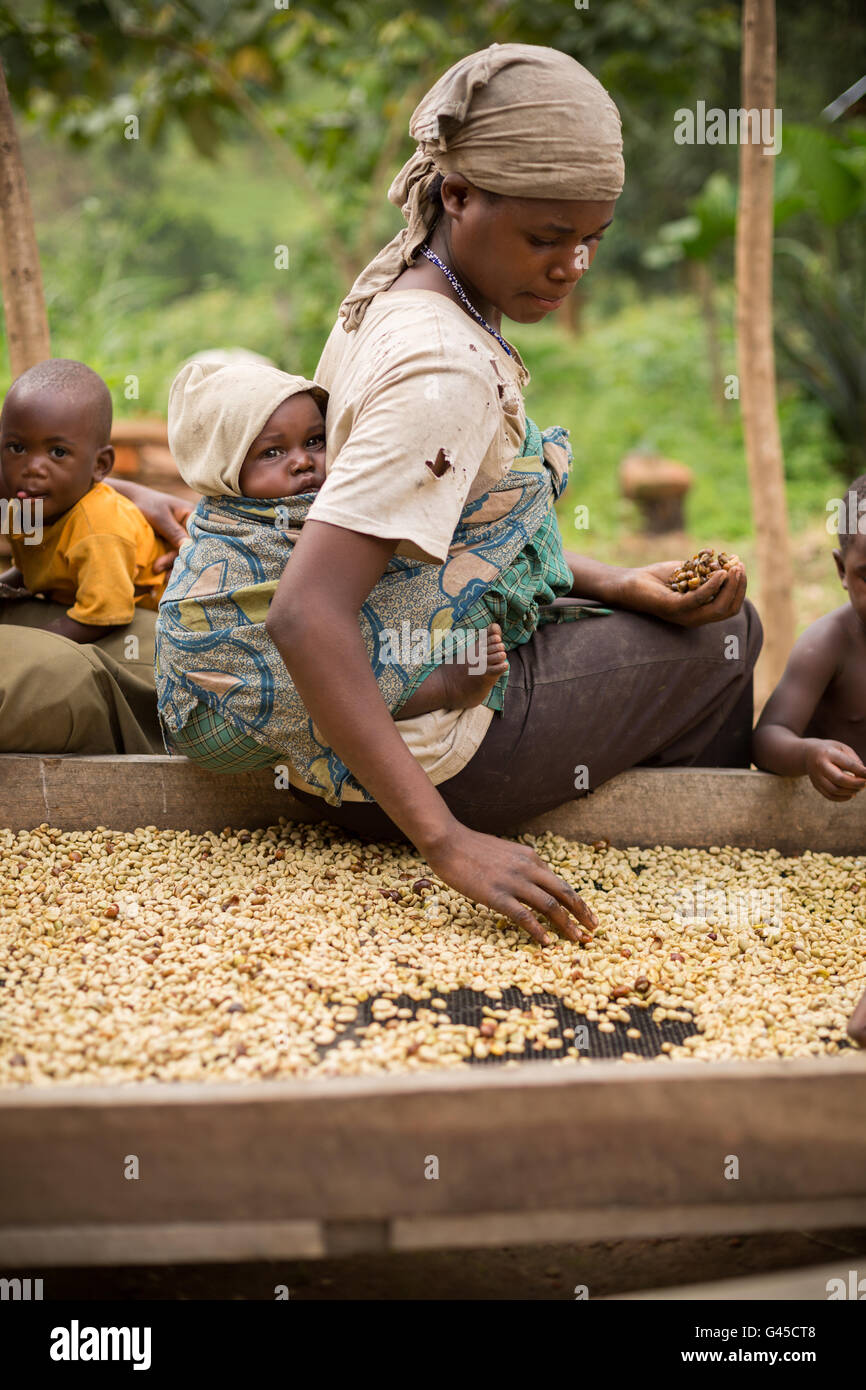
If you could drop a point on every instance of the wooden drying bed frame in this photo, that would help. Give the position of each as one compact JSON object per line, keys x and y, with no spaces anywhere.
{"x":541,"y":1152}
{"x":648,"y":806}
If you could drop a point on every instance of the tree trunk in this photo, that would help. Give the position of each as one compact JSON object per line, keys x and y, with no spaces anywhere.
{"x":754,"y":277}
{"x":23,"y":300}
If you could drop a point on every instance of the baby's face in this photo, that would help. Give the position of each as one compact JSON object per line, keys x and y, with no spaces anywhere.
{"x":288,"y":456}
{"x":48,"y":450}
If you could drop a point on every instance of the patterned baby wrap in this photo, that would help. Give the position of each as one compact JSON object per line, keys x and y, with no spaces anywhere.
{"x":213,"y":649}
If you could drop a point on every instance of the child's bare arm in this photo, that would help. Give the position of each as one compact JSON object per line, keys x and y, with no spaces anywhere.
{"x":778,"y":744}
{"x":81,"y":632}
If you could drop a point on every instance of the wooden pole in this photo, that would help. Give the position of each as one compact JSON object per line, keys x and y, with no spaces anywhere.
{"x":21,"y":277}
{"x":754,"y":280}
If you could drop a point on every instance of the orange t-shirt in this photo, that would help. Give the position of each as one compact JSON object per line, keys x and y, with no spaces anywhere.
{"x":98,"y":557}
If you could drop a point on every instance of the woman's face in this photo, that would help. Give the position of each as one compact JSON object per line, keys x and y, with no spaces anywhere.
{"x":524,"y":255}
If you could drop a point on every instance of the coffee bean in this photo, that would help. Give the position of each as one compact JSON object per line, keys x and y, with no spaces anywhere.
{"x":696,"y":571}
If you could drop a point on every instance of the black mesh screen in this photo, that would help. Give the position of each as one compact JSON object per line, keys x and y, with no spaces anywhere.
{"x":464,"y":1006}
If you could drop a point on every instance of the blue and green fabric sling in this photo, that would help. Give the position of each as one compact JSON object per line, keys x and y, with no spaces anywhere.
{"x":225,"y":696}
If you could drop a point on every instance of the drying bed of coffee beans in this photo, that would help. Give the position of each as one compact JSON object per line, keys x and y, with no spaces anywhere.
{"x":293,"y":952}
{"x":530,"y":1027}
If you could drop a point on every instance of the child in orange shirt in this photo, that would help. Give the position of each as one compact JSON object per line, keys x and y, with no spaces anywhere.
{"x":96,"y":552}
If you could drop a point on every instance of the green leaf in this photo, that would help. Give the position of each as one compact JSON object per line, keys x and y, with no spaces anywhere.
{"x":829,"y":184}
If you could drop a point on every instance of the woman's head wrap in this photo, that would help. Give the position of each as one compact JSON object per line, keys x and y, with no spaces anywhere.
{"x":215,"y":411}
{"x":515,"y":119}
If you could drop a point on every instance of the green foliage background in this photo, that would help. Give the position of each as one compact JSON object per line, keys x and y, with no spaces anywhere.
{"x":262,"y":126}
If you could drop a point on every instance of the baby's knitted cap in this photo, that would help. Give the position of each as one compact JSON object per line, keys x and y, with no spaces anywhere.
{"x":215,"y":411}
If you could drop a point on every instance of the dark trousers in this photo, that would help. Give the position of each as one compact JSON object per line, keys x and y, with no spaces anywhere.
{"x":59,"y":696}
{"x":588,"y":699}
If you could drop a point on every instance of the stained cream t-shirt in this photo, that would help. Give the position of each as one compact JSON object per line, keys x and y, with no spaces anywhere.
{"x":425,"y":415}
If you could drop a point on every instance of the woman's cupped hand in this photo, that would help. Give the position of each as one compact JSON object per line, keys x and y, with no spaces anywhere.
{"x":647,"y":590}
{"x":512,"y":880}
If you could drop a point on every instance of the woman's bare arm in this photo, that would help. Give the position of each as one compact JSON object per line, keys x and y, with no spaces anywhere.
{"x":647,"y":590}
{"x":594,"y":579}
{"x":313,"y":620}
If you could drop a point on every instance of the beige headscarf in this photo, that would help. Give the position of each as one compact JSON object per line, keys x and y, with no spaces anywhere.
{"x":515,"y":119}
{"x":215,"y":411}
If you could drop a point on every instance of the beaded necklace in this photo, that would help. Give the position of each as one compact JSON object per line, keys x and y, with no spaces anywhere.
{"x":447,"y":271}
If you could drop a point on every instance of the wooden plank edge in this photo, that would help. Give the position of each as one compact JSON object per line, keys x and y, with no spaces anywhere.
{"x":809,"y":1284}
{"x":25,"y":1247}
{"x":695,"y":807}
{"x":218,"y":1150}
{"x":159,"y":1244}
{"x":531,"y":1074}
{"x":622,"y":1222}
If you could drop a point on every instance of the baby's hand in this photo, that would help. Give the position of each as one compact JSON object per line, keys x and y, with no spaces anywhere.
{"x":834,"y":769}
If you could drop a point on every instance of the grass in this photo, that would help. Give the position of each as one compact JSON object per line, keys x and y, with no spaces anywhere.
{"x":639,"y":381}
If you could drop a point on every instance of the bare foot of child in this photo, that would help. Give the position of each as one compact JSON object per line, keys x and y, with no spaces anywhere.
{"x":469,"y":683}
{"x":464,"y":684}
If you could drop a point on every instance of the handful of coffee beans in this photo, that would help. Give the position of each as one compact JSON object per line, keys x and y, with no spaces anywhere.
{"x":696,"y":571}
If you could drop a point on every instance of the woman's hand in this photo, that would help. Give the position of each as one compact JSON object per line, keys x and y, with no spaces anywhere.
{"x":511,"y":879}
{"x":648,"y":590}
{"x":167,"y":515}
{"x":313,"y":621}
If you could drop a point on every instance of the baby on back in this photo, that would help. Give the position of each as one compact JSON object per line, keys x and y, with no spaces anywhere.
{"x":251,"y":439}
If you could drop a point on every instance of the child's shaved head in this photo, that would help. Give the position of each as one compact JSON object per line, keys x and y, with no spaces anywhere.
{"x":55,"y":432}
{"x":854,"y":512}
{"x":81,"y":384}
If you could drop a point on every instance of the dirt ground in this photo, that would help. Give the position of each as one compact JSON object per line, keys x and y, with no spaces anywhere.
{"x":534,"y":1273}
